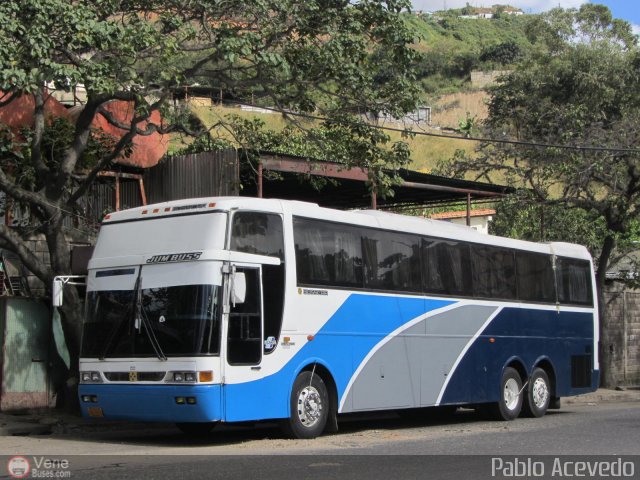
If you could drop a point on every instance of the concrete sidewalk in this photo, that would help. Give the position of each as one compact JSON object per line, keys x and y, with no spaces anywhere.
{"x":48,"y":422}
{"x":604,"y":395}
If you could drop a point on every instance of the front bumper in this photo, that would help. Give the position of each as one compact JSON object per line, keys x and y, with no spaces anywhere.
{"x":153,"y":403}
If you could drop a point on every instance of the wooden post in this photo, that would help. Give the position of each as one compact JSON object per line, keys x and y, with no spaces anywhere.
{"x":117,"y":192}
{"x":625,"y":342}
{"x":260,"y":179}
{"x":143,"y":194}
{"x":468,"y":209}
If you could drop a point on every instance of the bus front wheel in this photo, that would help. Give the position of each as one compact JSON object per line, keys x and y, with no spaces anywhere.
{"x":510,"y":403}
{"x":309,"y":407}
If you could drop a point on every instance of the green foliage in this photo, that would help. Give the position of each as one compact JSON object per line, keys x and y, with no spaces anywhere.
{"x":454,"y":46}
{"x":578,"y":87}
{"x":56,"y":140}
{"x":520,"y":216}
{"x":204,"y":143}
{"x":468,"y":126}
{"x":506,"y":53}
{"x":341,"y":140}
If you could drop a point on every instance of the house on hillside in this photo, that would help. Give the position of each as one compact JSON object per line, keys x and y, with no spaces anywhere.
{"x":478,"y":219}
{"x":482,"y":12}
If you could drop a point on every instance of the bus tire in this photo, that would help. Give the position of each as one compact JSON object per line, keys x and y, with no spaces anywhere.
{"x":538,"y":394}
{"x":196,"y":429}
{"x":309,"y":407}
{"x":510,"y":403}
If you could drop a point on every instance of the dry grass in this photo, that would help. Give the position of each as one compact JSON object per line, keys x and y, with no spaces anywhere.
{"x":426,"y":151}
{"x":448,"y":110}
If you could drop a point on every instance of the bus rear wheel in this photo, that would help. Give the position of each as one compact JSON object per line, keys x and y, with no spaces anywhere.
{"x":538,"y":395}
{"x":510,"y":403}
{"x":309,"y":407}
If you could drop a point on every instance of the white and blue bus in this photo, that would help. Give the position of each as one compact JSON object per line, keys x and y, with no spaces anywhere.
{"x":241,"y":309}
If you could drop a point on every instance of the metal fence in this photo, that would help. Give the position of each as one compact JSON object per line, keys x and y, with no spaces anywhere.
{"x":191,"y":176}
{"x":174,"y":178}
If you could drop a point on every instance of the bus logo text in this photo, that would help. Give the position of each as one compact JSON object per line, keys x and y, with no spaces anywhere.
{"x":175,"y":257}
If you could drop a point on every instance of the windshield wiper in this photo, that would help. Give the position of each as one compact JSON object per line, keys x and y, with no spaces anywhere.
{"x":151,"y":334}
{"x":142,"y":320}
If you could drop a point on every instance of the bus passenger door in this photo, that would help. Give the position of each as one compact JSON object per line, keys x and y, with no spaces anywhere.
{"x":244,"y":344}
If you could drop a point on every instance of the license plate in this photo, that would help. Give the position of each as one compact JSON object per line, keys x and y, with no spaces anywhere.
{"x":95,"y":412}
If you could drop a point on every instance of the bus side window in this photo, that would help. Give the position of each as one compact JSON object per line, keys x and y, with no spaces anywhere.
{"x":535,"y":277}
{"x":574,"y":281}
{"x":261,"y":234}
{"x":446,"y":267}
{"x":391,"y":261}
{"x":493,"y":272}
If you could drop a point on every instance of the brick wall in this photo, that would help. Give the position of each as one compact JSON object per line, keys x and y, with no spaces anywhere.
{"x":38,"y":245}
{"x":621,"y":338}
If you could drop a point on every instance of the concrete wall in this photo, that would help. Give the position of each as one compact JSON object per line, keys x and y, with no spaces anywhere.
{"x":25,"y":327}
{"x":481,"y":224}
{"x":621,"y":338}
{"x":480,"y":79}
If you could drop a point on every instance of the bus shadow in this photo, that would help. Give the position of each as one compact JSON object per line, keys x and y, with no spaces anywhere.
{"x":161,"y":435}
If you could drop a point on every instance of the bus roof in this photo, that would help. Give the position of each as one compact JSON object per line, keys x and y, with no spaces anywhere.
{"x":368,"y":218}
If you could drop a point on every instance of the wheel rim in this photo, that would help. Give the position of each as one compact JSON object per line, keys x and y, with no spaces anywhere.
{"x":511,"y":394}
{"x":540,"y":392}
{"x":309,"y":406}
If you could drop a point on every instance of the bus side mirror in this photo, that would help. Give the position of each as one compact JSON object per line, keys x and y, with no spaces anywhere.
{"x":239,"y":288}
{"x":58,"y":287}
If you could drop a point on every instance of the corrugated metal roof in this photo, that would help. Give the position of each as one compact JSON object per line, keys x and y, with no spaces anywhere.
{"x":418,"y":189}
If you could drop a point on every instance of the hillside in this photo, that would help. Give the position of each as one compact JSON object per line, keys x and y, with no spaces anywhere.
{"x":452,"y":47}
{"x":427,"y":151}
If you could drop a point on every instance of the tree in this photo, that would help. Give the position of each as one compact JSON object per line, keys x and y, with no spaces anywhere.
{"x":331,"y":57}
{"x":580,"y":87}
{"x":503,"y":53}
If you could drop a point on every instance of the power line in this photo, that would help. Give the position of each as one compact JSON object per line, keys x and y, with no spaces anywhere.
{"x":454,"y":137}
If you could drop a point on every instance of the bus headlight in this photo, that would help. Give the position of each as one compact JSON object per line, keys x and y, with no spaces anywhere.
{"x":191,"y":377}
{"x":90,"y":377}
{"x":184,"y":377}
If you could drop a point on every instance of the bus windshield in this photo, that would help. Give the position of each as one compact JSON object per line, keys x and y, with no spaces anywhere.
{"x":184,"y":320}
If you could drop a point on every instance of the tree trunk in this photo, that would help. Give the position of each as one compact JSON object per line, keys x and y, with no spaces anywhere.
{"x":606,"y":348}
{"x":70,"y":315}
{"x":71,"y":321}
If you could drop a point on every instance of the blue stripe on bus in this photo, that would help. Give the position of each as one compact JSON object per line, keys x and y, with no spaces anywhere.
{"x":341,"y":345}
{"x":527,"y":336}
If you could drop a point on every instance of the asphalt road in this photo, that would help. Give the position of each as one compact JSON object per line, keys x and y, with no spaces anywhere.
{"x":461,"y":447}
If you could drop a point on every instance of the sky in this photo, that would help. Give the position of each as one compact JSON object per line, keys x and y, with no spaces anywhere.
{"x":626,"y":9}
